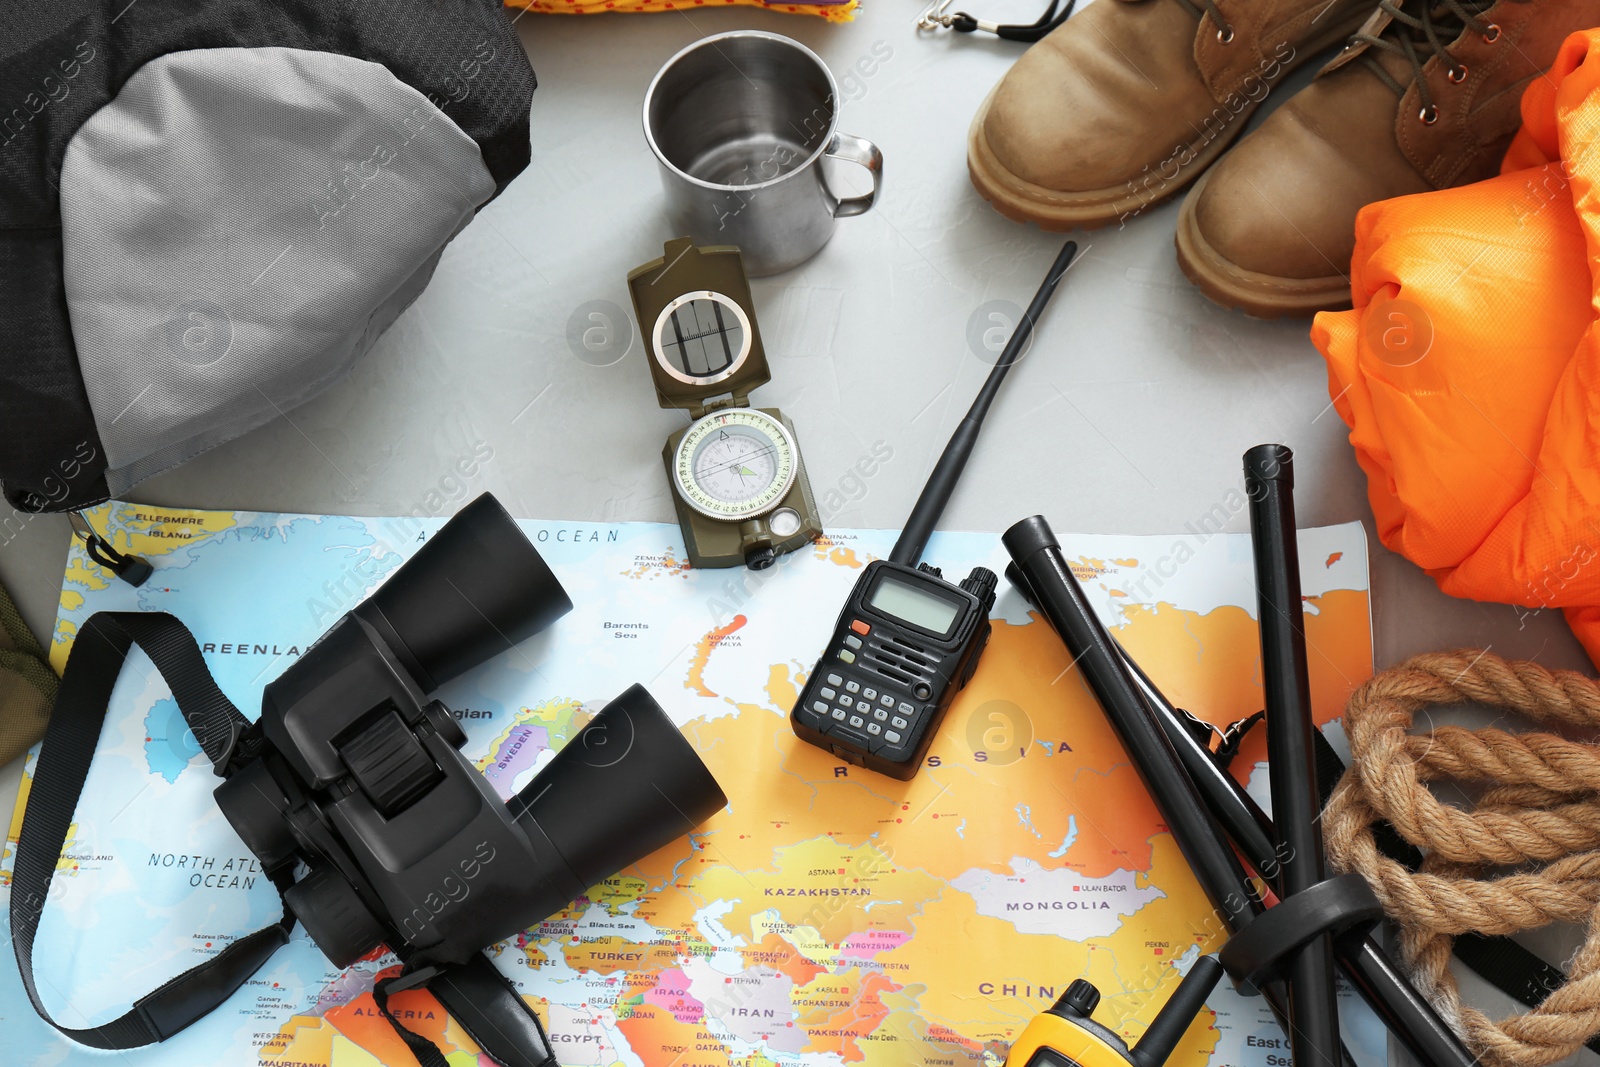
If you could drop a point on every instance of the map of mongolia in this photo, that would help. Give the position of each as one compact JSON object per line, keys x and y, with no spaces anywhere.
{"x":828,"y":917}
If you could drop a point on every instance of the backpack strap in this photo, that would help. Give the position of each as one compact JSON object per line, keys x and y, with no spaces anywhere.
{"x":69,"y":744}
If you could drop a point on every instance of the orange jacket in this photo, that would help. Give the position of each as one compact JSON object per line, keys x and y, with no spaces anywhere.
{"x":1469,"y":369}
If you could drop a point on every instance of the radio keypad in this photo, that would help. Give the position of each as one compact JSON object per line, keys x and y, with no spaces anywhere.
{"x":865,"y":714}
{"x":859,"y":709}
{"x":894,"y":677}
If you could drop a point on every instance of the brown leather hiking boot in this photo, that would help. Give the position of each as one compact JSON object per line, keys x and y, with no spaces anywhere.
{"x":1128,"y":101}
{"x":1426,"y":96}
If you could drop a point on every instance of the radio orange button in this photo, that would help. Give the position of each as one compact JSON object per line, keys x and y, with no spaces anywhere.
{"x":860,"y":627}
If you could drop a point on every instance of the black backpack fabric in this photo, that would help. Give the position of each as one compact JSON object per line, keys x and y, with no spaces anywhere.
{"x":210,"y":210}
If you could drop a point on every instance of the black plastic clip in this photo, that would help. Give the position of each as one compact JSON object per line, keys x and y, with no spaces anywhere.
{"x":245,"y":742}
{"x":412,"y":979}
{"x":130,"y":569}
{"x":1257,"y":953}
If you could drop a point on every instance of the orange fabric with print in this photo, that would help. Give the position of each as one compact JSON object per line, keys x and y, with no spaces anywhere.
{"x":1469,"y":369}
{"x":840,"y":11}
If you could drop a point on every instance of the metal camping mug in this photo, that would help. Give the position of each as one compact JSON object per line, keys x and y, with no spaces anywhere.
{"x":740,"y":123}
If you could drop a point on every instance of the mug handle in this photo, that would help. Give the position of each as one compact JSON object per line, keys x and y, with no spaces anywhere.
{"x":854,"y":149}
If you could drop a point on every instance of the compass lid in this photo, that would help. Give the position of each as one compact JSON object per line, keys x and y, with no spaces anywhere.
{"x":698,"y":320}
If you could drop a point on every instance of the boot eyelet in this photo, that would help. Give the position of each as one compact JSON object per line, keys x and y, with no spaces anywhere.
{"x":1225,"y":35}
{"x":1428,"y":115}
{"x":1492,"y":34}
{"x":1457,"y":75}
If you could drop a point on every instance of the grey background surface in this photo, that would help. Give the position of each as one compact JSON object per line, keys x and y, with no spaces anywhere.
{"x":1129,"y":414}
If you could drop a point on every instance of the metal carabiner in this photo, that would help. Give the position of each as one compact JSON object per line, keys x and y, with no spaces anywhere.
{"x":933,"y":16}
{"x":937,"y":15}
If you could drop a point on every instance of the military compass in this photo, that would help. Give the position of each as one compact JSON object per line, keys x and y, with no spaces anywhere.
{"x":739,"y":486}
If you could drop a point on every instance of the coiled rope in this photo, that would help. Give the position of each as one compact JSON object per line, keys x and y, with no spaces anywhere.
{"x":1537,"y":812}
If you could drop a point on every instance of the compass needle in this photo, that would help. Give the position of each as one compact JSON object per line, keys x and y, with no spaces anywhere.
{"x":740,"y":463}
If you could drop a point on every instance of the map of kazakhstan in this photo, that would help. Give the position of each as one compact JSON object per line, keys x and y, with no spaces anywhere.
{"x":828,"y":917}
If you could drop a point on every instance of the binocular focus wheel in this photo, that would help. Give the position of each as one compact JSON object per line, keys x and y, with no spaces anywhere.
{"x":390,"y":764}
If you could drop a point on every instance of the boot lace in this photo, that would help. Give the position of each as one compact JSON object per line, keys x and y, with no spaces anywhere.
{"x":1202,"y":8}
{"x":1419,"y":30}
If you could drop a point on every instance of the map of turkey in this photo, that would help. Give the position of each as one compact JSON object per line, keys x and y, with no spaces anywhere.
{"x":827,"y":917}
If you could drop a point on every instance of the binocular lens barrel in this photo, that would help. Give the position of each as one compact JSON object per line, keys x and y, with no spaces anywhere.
{"x":474,"y":590}
{"x":627,"y":785}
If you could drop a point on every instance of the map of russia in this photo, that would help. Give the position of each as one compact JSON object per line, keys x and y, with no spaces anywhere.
{"x":827,"y":917}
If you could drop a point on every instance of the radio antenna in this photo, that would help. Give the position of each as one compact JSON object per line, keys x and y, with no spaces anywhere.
{"x":942,"y":482}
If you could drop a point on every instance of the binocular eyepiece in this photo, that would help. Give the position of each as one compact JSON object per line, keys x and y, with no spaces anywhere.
{"x":356,"y":773}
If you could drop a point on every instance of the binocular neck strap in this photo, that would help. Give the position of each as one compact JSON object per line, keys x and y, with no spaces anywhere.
{"x":426,"y":1052}
{"x":481,"y":1000}
{"x":97,"y":657}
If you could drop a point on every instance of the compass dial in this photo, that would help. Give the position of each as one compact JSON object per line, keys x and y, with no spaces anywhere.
{"x":735,"y":464}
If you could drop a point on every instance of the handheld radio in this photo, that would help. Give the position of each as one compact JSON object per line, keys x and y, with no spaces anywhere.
{"x":1065,"y":1035}
{"x":907,"y":641}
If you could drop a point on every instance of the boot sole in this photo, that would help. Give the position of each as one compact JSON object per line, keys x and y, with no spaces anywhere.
{"x":1057,"y":211}
{"x":1261,"y":296}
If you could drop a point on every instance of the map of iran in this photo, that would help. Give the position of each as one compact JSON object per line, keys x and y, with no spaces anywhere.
{"x":828,"y":916}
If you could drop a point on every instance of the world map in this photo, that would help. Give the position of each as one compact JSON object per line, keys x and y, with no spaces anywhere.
{"x":828,"y":917}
